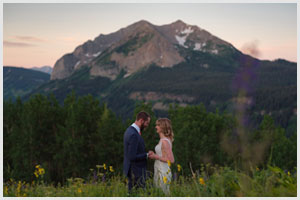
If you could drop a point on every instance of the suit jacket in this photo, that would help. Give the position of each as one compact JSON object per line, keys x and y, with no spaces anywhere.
{"x":135,"y":155}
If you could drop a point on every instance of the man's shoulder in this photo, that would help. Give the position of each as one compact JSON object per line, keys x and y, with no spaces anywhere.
{"x":130,"y":129}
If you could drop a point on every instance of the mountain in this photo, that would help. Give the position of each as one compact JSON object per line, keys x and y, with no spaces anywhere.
{"x":46,"y":69}
{"x":20,"y":81}
{"x":137,"y":46}
{"x":175,"y":63}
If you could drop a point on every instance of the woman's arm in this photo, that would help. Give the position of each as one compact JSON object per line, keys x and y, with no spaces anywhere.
{"x":167,"y":153}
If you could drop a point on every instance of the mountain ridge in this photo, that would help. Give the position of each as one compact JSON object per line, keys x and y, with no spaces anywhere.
{"x":200,"y":75}
{"x":146,"y":43}
{"x":18,"y":81}
{"x":46,"y":69}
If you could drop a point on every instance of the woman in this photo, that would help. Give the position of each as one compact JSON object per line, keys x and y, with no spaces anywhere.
{"x":163,"y":155}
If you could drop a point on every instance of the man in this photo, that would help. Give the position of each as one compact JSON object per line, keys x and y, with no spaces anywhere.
{"x":135,"y":156}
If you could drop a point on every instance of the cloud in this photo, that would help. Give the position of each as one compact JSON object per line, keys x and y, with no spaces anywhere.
{"x":28,"y":38}
{"x":17,"y":44}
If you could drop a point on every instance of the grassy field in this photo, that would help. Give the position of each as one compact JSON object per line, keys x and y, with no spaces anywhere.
{"x":209,"y":181}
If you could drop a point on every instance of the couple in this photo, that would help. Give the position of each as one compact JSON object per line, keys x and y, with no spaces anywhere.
{"x":135,"y":155}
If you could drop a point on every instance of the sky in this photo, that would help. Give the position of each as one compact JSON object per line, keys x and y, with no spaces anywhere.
{"x":38,"y":34}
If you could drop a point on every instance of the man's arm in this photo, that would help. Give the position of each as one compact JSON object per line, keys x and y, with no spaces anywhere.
{"x":132,"y":149}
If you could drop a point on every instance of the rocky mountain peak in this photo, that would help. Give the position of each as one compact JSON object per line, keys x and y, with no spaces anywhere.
{"x":178,"y":23}
{"x":137,"y":46}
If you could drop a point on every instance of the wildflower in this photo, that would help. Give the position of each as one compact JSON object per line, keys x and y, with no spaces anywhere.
{"x":104,"y":166}
{"x":179,"y":168}
{"x":169,"y":163}
{"x":78,"y":180}
{"x":19,"y":188}
{"x":91,"y":170}
{"x":111,"y":168}
{"x":41,"y":171}
{"x":38,"y":166}
{"x":289,"y":174}
{"x":36,"y":174}
{"x":169,"y":170}
{"x":201,"y":181}
{"x":257,"y":169}
{"x":98,"y":166}
{"x":6,"y":190}
{"x":79,"y":190}
{"x":165,"y":179}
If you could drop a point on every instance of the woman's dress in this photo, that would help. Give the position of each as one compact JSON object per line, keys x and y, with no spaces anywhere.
{"x":162,"y":171}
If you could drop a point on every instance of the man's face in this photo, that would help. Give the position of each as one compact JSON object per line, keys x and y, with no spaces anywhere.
{"x":145,"y":124}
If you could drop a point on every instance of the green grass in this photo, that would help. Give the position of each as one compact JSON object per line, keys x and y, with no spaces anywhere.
{"x":217,"y":182}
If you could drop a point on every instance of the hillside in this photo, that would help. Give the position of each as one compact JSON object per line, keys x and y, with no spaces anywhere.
{"x":46,"y":69}
{"x":20,"y":81}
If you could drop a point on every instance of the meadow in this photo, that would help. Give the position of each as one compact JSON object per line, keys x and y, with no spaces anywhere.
{"x":53,"y":150}
{"x":208,"y":181}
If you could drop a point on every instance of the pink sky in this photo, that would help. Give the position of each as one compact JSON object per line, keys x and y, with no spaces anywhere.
{"x":40,"y":34}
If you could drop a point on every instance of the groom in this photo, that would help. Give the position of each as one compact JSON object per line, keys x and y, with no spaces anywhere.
{"x":135,"y":156}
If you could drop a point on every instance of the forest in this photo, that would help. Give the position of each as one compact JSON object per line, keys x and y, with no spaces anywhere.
{"x":70,"y":139}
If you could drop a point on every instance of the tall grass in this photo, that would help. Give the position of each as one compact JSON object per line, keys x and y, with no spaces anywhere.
{"x":209,"y":181}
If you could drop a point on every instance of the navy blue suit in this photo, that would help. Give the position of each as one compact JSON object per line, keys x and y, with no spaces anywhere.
{"x":135,"y":158}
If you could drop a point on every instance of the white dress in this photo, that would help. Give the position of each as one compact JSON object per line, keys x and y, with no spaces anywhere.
{"x":161,"y":170}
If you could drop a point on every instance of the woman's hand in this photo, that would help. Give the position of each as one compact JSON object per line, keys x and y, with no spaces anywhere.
{"x":153,"y":156}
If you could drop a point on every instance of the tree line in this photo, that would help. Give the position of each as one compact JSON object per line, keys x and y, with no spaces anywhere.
{"x":70,"y":139}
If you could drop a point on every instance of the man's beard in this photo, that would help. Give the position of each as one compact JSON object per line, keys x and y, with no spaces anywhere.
{"x":142,"y":127}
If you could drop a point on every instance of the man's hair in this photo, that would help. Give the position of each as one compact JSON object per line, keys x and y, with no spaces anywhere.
{"x":142,"y":115}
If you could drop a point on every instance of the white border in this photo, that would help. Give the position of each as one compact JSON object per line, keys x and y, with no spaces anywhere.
{"x":143,"y":1}
{"x":150,"y":1}
{"x":1,"y":102}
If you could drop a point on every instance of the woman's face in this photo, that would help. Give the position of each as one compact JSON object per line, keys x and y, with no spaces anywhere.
{"x":158,"y":128}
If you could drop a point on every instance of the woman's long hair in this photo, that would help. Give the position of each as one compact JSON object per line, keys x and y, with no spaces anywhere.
{"x":166,"y":127}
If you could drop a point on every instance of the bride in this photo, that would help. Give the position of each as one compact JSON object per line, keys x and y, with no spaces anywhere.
{"x":163,"y":155}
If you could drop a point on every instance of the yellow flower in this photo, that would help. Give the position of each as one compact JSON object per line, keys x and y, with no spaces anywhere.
{"x":201,"y":181}
{"x":98,"y":166}
{"x":169,"y":163}
{"x":6,"y":190}
{"x":38,"y":166}
{"x":41,"y":171}
{"x":257,"y":169}
{"x":19,"y":188}
{"x":289,"y":173}
{"x":169,"y":170}
{"x":165,"y":179}
{"x":79,"y":190}
{"x":36,"y":174}
{"x":104,"y":166}
{"x":179,"y":168}
{"x":111,"y":168}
